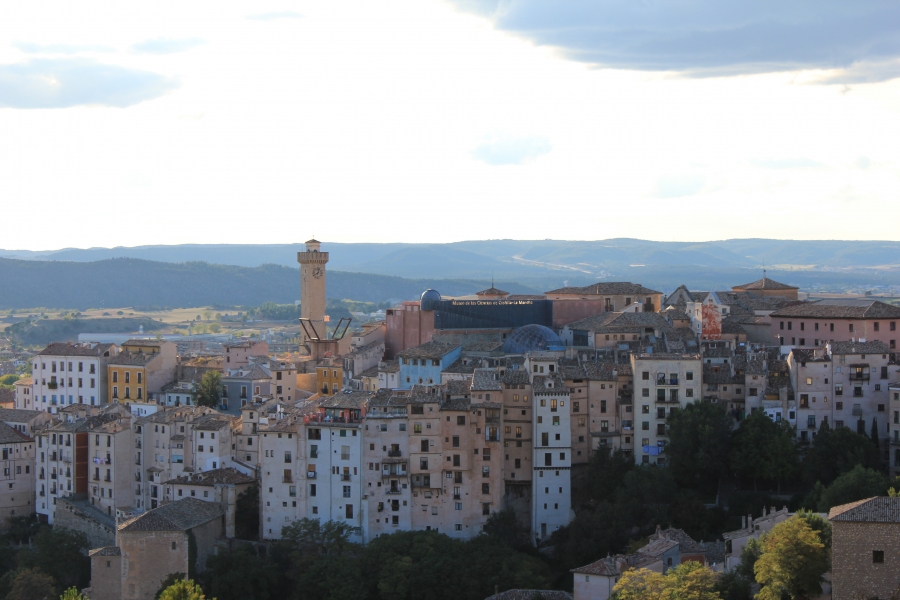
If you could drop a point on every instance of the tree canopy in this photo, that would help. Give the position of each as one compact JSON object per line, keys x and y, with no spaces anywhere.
{"x":687,"y":581}
{"x":209,"y":391}
{"x":699,"y":443}
{"x":792,"y":563}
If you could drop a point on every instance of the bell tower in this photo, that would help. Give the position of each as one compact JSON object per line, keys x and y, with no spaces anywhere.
{"x":312,"y":285}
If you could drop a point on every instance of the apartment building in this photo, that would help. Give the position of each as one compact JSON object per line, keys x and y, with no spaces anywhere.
{"x":551,"y":493}
{"x":284,"y":381}
{"x":662,"y":383}
{"x":25,"y":421}
{"x":17,"y":454}
{"x":62,"y":461}
{"x":241,"y":385}
{"x":66,"y":373}
{"x":894,"y":435}
{"x":862,"y":372}
{"x":423,"y":364}
{"x":212,"y":438}
{"x":329,"y":378}
{"x":518,"y":441}
{"x":24,"y":399}
{"x":141,"y":369}
{"x":311,"y":463}
{"x":110,"y":442}
{"x":238,"y":353}
{"x":163,"y":450}
{"x":223,"y":486}
{"x":815,"y":323}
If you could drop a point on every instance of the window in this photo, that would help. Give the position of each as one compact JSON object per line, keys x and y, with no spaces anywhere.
{"x":878,"y":556}
{"x":460,"y":420}
{"x":689,"y":376}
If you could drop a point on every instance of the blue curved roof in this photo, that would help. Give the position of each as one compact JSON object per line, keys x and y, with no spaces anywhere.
{"x":429,"y":300}
{"x":531,"y":338}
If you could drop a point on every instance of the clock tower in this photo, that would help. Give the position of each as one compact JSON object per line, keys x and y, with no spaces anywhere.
{"x":312,"y":285}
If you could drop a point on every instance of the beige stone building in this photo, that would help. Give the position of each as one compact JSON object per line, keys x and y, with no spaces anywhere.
{"x":17,"y":452}
{"x":662,"y":382}
{"x":865,"y":549}
{"x":140,"y":370}
{"x":152,"y":546}
{"x":237,"y":354}
{"x":110,"y":442}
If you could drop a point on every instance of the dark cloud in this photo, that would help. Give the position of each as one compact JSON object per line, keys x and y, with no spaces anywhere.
{"x":46,"y":83}
{"x":271,"y":16}
{"x":166,"y":45}
{"x":711,"y":37}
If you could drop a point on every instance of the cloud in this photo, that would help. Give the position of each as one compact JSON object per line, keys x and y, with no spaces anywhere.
{"x":677,"y":186}
{"x":61,"y":83}
{"x":271,"y":16}
{"x":511,"y":151}
{"x":710,"y":37}
{"x":166,"y":45}
{"x":786,"y":163}
{"x":31,"y":48}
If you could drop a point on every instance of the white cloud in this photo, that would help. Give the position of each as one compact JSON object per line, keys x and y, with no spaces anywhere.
{"x":166,"y":45}
{"x":381,"y":112}
{"x":511,"y":150}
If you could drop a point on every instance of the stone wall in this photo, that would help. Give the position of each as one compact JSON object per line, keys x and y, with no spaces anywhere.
{"x":854,"y":573}
{"x":99,"y":532}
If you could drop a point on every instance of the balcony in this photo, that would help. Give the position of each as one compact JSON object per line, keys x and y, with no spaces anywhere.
{"x":395,"y":453}
{"x":52,"y":385}
{"x":287,"y":479}
{"x":52,"y":475}
{"x":138,"y":444}
{"x":859,"y":376}
{"x":457,"y":496}
{"x":96,"y":477}
{"x":310,"y":474}
{"x":137,"y":476}
{"x":393,"y":491}
{"x":42,"y":493}
{"x":857,"y":411}
{"x":41,"y":476}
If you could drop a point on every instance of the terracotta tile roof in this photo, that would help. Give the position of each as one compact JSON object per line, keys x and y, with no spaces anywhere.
{"x":515,"y":377}
{"x":70,"y":349}
{"x":18,"y":415}
{"x":133,"y":359}
{"x":605,"y":566}
{"x":486,"y":380}
{"x":213,"y":422}
{"x":607,"y":288}
{"x":107,"y":551}
{"x":227,"y":476}
{"x":550,"y":384}
{"x":457,"y":366}
{"x":765,"y":284}
{"x":353,"y":400}
{"x":390,"y":366}
{"x":492,"y":291}
{"x":8,"y":435}
{"x":617,"y":320}
{"x":7,"y":395}
{"x":175,"y":516}
{"x":825,"y":309}
{"x":432,"y":350}
{"x":873,"y":347}
{"x":458,"y":387}
{"x":879,"y":509}
{"x":687,"y":543}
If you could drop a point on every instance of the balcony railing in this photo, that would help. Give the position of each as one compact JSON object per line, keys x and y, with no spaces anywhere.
{"x":138,"y":444}
{"x":395,"y":453}
{"x":287,"y":479}
{"x":52,"y":385}
{"x":859,"y":376}
{"x":457,"y":496}
{"x":310,"y":474}
{"x":857,"y":411}
{"x":393,"y":491}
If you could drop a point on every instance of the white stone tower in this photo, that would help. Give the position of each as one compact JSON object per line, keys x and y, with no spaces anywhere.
{"x":312,"y":285}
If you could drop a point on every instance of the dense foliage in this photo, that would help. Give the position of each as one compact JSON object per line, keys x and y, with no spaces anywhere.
{"x":53,"y":561}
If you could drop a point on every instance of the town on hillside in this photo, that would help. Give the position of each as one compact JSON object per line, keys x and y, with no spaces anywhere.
{"x":613,"y":435}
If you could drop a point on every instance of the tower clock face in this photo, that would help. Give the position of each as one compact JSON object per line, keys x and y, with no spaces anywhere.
{"x":317,"y":272}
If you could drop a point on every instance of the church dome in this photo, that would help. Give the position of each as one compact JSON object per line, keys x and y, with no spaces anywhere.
{"x":531,"y":338}
{"x":429,"y":300}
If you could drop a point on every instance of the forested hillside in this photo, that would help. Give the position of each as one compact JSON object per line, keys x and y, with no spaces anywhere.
{"x":132,"y":282}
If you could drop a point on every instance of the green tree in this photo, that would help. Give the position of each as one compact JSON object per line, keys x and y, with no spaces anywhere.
{"x":754,"y":434}
{"x":505,"y":527}
{"x":606,"y":469}
{"x":857,"y":484}
{"x":209,"y":391}
{"x":31,"y":584}
{"x":72,"y":594}
{"x":782,"y":461}
{"x":61,"y":552}
{"x":594,"y":532}
{"x":247,"y":514}
{"x":687,"y":581}
{"x":215,"y":327}
{"x":837,"y":451}
{"x":750,"y":553}
{"x":733,"y":586}
{"x":699,"y":443}
{"x":821,"y":525}
{"x":792,"y":562}
{"x":243,"y":574}
{"x":184,"y":589}
{"x":7,"y":381}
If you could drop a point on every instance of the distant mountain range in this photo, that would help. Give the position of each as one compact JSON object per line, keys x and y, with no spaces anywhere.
{"x":245,"y":274}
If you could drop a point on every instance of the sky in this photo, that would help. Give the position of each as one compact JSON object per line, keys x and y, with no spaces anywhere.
{"x":126,"y":124}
